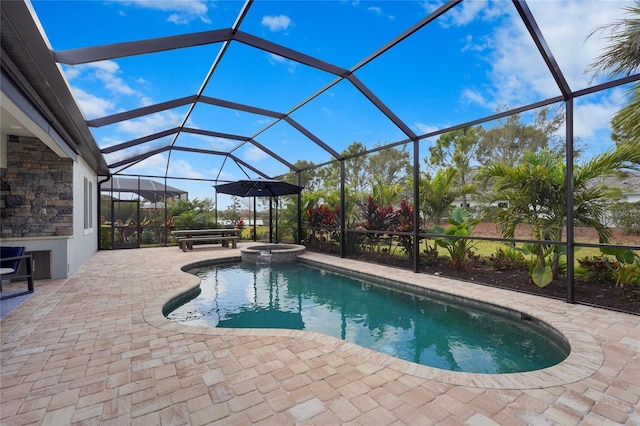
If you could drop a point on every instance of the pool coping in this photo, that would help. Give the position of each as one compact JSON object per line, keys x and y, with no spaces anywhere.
{"x":585,"y":358}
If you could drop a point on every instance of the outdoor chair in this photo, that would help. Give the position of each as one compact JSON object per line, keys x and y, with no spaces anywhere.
{"x":10,"y":260}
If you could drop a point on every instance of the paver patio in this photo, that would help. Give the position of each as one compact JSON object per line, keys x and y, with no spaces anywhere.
{"x":95,"y":349}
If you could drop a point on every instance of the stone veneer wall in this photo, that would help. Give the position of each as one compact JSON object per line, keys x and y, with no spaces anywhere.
{"x":36,"y":191}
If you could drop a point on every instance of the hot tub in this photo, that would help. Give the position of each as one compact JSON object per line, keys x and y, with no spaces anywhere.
{"x":271,"y":253}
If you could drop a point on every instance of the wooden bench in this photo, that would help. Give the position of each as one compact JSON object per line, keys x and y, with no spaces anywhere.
{"x":185,"y":243}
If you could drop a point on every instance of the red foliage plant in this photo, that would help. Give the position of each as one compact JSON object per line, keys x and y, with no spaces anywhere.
{"x":377,"y":217}
{"x":404,"y":223}
{"x":323,"y":216}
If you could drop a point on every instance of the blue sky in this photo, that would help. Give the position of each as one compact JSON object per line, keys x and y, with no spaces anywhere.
{"x":465,"y":65}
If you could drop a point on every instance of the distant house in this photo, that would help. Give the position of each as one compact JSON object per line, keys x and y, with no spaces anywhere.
{"x":629,"y":184}
{"x":49,"y":162}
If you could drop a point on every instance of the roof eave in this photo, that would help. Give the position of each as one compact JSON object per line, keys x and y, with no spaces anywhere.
{"x":41,"y":78}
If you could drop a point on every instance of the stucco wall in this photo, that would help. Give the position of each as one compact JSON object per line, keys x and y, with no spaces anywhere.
{"x":85,"y":241}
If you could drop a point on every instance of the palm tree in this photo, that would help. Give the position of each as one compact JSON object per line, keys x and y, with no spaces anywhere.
{"x":535,"y":190}
{"x":437,"y":194}
{"x":385,"y":193}
{"x":457,"y":149}
{"x":622,"y":57}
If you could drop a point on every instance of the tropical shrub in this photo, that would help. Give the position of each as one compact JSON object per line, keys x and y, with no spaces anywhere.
{"x":626,"y":216}
{"x":323,"y":221}
{"x":437,"y":195}
{"x":535,"y":190}
{"x":376,"y":217}
{"x":596,"y":268}
{"x":405,"y":223}
{"x":506,"y":258}
{"x":194,"y":214}
{"x":461,"y":225}
{"x":627,"y":265}
{"x":539,"y":259}
{"x":105,"y":237}
{"x":194,"y":219}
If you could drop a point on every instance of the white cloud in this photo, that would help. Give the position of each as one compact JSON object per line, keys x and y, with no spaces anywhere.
{"x":71,"y":72}
{"x":263,"y":121}
{"x":423,"y":128}
{"x":109,"y":67}
{"x":91,"y":105}
{"x":253,"y":154}
{"x":222,"y":175}
{"x":276,"y":23}
{"x":106,"y":72}
{"x":219,"y":144}
{"x":517,"y":73}
{"x":431,"y":5}
{"x":154,"y":165}
{"x":182,"y":168}
{"x":277,"y":59}
{"x":180,"y":11}
{"x":565,"y":26}
{"x":476,"y":44}
{"x":146,"y":101}
{"x":150,"y":124}
{"x":467,"y":11}
{"x":378,"y":11}
{"x":273,"y":58}
{"x":108,"y":141}
{"x":592,"y":114}
{"x":470,"y":96}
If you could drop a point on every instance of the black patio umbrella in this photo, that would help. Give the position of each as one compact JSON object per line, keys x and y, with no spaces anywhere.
{"x":258,"y":188}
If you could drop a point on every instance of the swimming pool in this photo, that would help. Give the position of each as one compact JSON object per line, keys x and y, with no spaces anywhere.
{"x":429,"y":331}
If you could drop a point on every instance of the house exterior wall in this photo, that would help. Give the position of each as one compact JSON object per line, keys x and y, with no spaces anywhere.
{"x":37,"y":191}
{"x":42,"y":205}
{"x":85,"y":238}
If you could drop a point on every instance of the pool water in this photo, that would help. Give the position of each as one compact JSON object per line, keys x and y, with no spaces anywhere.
{"x":423,"y":330}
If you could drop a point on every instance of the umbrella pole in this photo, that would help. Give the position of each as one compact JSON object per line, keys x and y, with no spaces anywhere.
{"x":255,"y":230}
{"x":270,"y":219}
{"x":215,"y":205}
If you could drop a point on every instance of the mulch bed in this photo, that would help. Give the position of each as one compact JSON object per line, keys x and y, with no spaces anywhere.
{"x":602,"y":294}
{"x":605,"y":295}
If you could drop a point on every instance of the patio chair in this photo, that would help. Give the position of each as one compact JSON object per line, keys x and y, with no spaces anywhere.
{"x":10,"y":259}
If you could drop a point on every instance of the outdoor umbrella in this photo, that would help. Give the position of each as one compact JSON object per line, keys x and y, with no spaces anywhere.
{"x":258,"y":188}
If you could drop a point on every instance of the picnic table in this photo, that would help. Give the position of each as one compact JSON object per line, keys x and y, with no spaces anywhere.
{"x":186,"y":237}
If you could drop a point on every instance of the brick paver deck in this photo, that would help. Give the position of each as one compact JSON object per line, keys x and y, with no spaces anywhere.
{"x":96,"y":349}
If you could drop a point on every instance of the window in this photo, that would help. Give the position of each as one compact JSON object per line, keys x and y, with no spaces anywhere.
{"x":88,"y":204}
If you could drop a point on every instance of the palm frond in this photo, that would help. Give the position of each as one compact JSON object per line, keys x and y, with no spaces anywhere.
{"x":622,"y":54}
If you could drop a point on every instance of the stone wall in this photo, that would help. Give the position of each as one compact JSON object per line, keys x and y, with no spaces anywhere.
{"x":36,"y":198}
